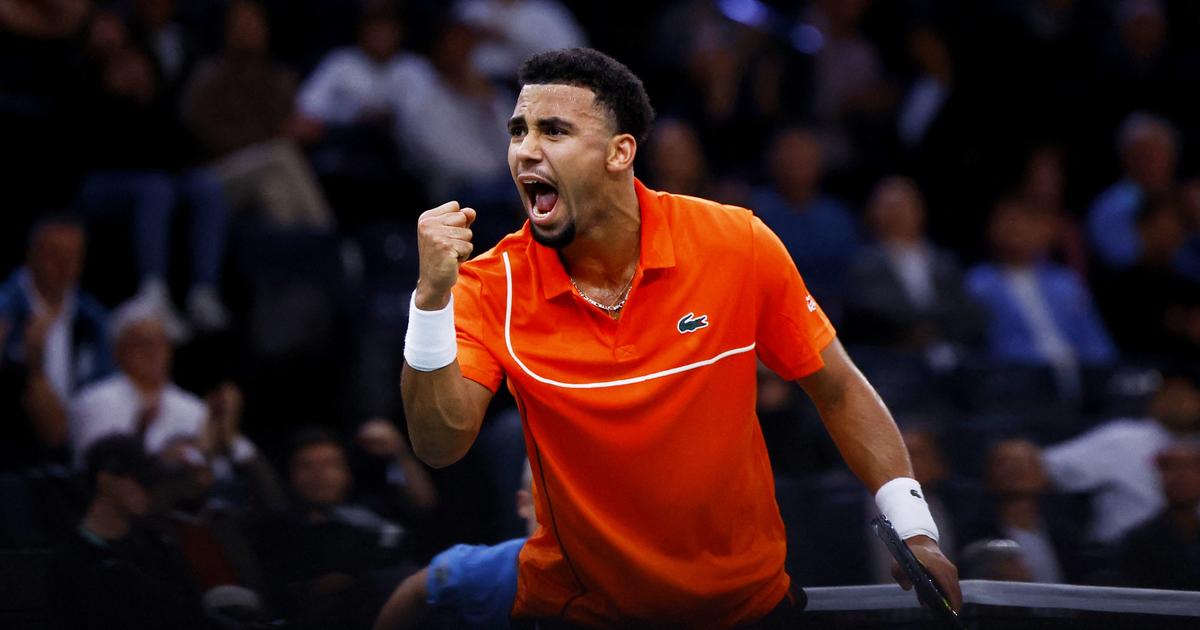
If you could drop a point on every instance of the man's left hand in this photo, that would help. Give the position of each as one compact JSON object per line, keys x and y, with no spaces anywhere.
{"x":943,"y":571}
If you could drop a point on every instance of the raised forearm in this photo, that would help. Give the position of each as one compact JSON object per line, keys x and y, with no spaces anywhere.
{"x":443,"y":414}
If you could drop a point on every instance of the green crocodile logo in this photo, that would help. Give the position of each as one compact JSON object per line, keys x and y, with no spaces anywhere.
{"x":690,"y":323}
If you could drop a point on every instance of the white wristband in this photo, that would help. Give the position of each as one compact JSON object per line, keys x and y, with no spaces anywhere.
{"x":430,"y":343}
{"x":902,"y":502}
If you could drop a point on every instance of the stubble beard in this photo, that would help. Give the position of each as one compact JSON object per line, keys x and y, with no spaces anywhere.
{"x":554,"y":240}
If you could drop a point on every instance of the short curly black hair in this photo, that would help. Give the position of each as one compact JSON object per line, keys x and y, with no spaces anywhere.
{"x":615,"y":85}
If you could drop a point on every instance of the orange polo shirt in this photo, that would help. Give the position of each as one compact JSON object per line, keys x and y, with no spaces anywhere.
{"x":652,"y":486}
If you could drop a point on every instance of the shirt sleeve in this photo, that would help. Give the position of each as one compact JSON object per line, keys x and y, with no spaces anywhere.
{"x":792,"y":329}
{"x":1078,"y":465}
{"x":474,"y":359}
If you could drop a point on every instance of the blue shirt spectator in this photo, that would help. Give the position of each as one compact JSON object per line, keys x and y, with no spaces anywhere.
{"x":819,"y":231}
{"x":1149,"y":147}
{"x":1040,"y":312}
{"x":53,"y":340}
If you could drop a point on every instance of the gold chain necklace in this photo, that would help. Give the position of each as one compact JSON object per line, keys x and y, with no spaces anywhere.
{"x":608,"y":309}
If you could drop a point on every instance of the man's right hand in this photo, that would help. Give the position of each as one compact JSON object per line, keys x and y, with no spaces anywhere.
{"x":443,"y":242}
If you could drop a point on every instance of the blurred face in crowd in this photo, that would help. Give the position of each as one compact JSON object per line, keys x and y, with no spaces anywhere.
{"x":106,"y":35}
{"x":320,"y":474}
{"x":144,"y":353}
{"x":1177,"y":405}
{"x":246,"y":28}
{"x":797,"y":164}
{"x":676,"y":158}
{"x":896,"y":211}
{"x":928,"y":465}
{"x":452,"y":52}
{"x":124,"y":492}
{"x":188,"y":476}
{"x":1014,"y":469}
{"x":1163,"y":230}
{"x":155,"y":13}
{"x":561,"y":155}
{"x":379,"y":37}
{"x":1020,"y":235}
{"x":844,"y":15}
{"x":55,"y":259}
{"x":1150,"y":156}
{"x":1143,"y":28}
{"x":1044,"y":183}
{"x":130,"y":74}
{"x":929,"y":50}
{"x":1179,"y":466}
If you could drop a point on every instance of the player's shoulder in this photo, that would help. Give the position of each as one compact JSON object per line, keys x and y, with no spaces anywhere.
{"x":687,"y":206}
{"x":708,"y":223}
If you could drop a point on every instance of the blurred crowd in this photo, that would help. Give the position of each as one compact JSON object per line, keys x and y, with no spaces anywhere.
{"x":209,"y":221}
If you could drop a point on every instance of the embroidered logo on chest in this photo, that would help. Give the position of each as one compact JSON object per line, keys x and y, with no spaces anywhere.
{"x":690,"y":323}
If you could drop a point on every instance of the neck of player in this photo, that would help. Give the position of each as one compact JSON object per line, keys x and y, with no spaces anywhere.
{"x":603,"y":258}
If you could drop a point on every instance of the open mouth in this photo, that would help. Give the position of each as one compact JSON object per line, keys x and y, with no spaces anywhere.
{"x":542,"y":198}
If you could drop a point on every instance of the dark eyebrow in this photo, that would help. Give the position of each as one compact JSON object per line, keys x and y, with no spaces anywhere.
{"x":555,"y":121}
{"x":518,"y":120}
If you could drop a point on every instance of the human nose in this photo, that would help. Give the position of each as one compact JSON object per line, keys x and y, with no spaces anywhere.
{"x":529,"y":149}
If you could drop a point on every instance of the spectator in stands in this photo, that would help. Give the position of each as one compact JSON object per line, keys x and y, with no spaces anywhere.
{"x":1041,"y":313}
{"x":676,"y":161}
{"x":852,"y":94}
{"x":515,"y":29}
{"x":142,"y":162}
{"x":112,"y":572}
{"x":328,"y":560}
{"x":818,"y":229}
{"x":53,"y":341}
{"x":34,"y":18}
{"x":1153,"y":282}
{"x":465,"y":585}
{"x":140,"y":399}
{"x":929,"y":93}
{"x":1044,"y":188}
{"x":902,"y":291}
{"x":1115,"y":461}
{"x":1019,"y":510}
{"x":352,"y":85}
{"x":242,"y":107}
{"x":451,"y":125}
{"x":387,"y":478}
{"x":1149,"y":149}
{"x":173,"y":47}
{"x":1164,"y":552}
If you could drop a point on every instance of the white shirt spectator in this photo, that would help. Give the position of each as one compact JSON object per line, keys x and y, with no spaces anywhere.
{"x":452,"y":139}
{"x":1114,"y":462}
{"x":112,"y":406}
{"x":349,"y":85}
{"x":520,"y":28}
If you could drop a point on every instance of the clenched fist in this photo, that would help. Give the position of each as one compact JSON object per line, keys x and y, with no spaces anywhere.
{"x":444,"y":243}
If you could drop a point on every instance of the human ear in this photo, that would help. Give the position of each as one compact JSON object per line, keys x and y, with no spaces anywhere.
{"x":622,"y":149}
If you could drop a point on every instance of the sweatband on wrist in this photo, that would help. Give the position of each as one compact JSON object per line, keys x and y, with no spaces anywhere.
{"x":902,"y":502}
{"x":430,"y":343}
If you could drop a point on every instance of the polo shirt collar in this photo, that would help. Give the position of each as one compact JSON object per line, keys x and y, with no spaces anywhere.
{"x":657,"y":247}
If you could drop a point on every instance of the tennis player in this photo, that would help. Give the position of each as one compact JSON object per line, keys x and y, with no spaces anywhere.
{"x":627,"y":324}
